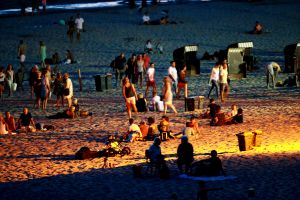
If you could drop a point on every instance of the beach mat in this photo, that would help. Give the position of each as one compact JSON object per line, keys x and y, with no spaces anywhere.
{"x":207,"y":178}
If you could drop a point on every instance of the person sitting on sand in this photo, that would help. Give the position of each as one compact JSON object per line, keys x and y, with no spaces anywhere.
{"x":216,"y":168}
{"x":26,"y":121}
{"x":220,"y":117}
{"x":233,"y":111}
{"x":76,"y":105}
{"x":141,"y":103}
{"x":185,"y":154}
{"x":164,"y":128}
{"x":157,"y":104}
{"x":187,"y":131}
{"x":69,"y":58}
{"x":272,"y":69}
{"x":155,"y":155}
{"x":146,"y":18}
{"x":144,"y":129}
{"x":133,"y":132}
{"x":194,"y":124}
{"x":3,"y":125}
{"x":258,"y":28}
{"x":152,"y":130}
{"x":164,"y":20}
{"x":66,"y":114}
{"x":238,"y":118}
{"x":10,"y":121}
{"x":148,"y":47}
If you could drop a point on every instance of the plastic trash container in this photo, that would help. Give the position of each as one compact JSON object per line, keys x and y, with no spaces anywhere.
{"x":257,"y":138}
{"x":108,"y":81}
{"x":99,"y":82}
{"x":245,"y":141}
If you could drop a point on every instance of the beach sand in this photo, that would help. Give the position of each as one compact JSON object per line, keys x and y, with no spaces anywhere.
{"x":41,"y":165}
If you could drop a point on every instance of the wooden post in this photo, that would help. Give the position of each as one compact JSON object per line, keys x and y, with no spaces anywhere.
{"x":79,"y":80}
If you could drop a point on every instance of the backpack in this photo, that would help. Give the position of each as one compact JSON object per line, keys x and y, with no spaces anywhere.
{"x":86,"y":153}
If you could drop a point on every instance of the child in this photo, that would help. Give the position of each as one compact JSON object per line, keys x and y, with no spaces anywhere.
{"x":238,"y":118}
{"x":141,"y":103}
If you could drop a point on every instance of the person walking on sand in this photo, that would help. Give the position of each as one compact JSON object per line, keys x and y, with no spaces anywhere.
{"x":151,"y":80}
{"x":168,"y":95}
{"x":68,"y":89}
{"x":43,"y":53}
{"x":130,"y":96}
{"x":119,"y":67}
{"x":224,"y":87}
{"x":214,"y":79}
{"x":131,"y":65}
{"x":2,"y":82}
{"x":272,"y":69}
{"x":140,"y":70}
{"x":172,"y":73}
{"x":79,"y":26}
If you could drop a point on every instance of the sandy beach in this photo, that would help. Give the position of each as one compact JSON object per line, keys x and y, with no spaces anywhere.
{"x":41,"y":165}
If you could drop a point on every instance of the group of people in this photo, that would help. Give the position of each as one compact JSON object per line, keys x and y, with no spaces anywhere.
{"x":43,"y":83}
{"x":185,"y":159}
{"x":8,"y":124}
{"x":171,"y":83}
{"x":219,"y":80}
{"x":75,"y":26}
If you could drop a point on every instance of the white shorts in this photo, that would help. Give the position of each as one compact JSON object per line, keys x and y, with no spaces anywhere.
{"x":131,"y":100}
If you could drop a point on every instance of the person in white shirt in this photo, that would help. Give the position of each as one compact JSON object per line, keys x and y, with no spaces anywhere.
{"x":146,"y":18}
{"x":134,"y":131}
{"x":79,"y":25}
{"x":151,"y":80}
{"x":272,"y":69}
{"x":224,"y":87}
{"x":158,"y":104}
{"x":172,"y":73}
{"x":214,"y":79}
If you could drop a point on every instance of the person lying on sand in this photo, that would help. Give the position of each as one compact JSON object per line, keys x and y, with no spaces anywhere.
{"x":68,"y":114}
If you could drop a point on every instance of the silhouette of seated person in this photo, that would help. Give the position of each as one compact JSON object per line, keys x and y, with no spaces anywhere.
{"x":148,"y":47}
{"x":208,"y":167}
{"x":185,"y":154}
{"x":258,"y":28}
{"x":154,"y":153}
{"x":164,"y":20}
{"x":10,"y":121}
{"x":238,"y":118}
{"x":68,"y":114}
{"x":141,"y":103}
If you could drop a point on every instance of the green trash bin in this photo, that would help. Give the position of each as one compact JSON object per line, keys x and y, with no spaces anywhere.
{"x":257,"y":138}
{"x":245,"y":140}
{"x":99,"y":82}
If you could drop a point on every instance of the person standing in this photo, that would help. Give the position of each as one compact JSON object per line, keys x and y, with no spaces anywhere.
{"x":58,"y":89}
{"x":71,"y":28}
{"x":68,"y":89}
{"x":140,"y":70}
{"x":224,"y":87}
{"x":172,"y":73}
{"x":120,"y":67}
{"x":43,"y":53}
{"x":10,"y":77}
{"x":45,"y":89}
{"x":44,"y":3}
{"x":151,"y":80}
{"x":2,"y":82}
{"x":272,"y":69}
{"x":131,"y":65}
{"x":182,"y":83}
{"x":22,"y":53}
{"x":168,"y":95}
{"x":79,"y":26}
{"x":214,"y":79}
{"x":130,"y":96}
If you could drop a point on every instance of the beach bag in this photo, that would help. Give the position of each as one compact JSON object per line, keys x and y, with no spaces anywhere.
{"x":14,"y":86}
{"x":66,"y":91}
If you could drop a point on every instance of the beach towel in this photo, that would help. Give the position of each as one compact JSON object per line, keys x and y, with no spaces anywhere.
{"x":207,"y":178}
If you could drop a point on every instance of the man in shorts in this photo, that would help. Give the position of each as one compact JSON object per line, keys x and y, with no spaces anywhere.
{"x":79,"y":26}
